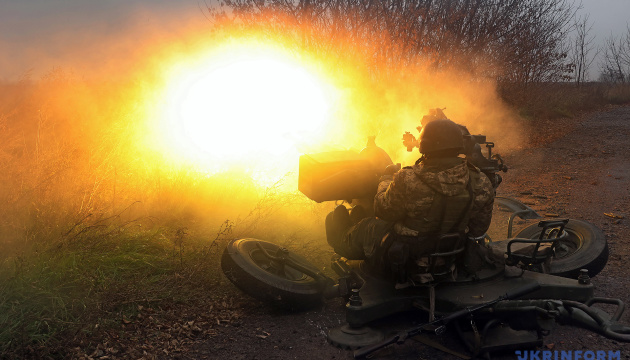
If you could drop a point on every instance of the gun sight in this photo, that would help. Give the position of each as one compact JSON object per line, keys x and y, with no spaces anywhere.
{"x":409,"y":141}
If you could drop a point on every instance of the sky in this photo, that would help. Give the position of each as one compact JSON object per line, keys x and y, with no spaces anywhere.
{"x":38,"y":35}
{"x":607,"y":16}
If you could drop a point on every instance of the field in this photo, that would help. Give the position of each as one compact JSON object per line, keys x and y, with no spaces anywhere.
{"x":111,"y":249}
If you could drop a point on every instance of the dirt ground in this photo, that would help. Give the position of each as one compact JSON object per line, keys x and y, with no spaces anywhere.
{"x":575,"y":168}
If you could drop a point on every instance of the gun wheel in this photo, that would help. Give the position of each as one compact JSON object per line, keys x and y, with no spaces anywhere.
{"x":245,"y":265}
{"x":586,"y":248}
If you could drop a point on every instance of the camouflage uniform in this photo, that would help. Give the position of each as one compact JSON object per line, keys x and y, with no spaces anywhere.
{"x":407,"y":197}
{"x":410,"y":193}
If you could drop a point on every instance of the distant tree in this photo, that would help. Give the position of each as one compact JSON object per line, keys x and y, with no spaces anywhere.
{"x":581,"y":52}
{"x":610,"y":76}
{"x":511,"y":40}
{"x":535,"y":51}
{"x":615,"y":67}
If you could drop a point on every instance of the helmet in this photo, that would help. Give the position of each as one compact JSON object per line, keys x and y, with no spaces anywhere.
{"x":439,"y":135}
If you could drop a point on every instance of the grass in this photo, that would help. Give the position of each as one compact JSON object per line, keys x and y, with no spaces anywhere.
{"x":89,"y":234}
{"x":563,"y":100}
{"x":618,"y":94}
{"x":83,"y":274}
{"x":56,"y":296}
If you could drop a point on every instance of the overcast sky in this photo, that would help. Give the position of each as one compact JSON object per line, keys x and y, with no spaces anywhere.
{"x":37,"y":35}
{"x":607,"y":16}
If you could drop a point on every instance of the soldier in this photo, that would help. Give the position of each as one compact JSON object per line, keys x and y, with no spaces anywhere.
{"x":415,"y":207}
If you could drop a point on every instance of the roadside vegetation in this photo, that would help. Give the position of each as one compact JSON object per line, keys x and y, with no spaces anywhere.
{"x":95,"y":229}
{"x":557,"y":100}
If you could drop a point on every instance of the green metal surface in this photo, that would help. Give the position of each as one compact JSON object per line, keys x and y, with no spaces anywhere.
{"x":379,"y":298}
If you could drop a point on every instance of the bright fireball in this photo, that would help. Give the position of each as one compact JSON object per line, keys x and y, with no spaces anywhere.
{"x":245,"y":106}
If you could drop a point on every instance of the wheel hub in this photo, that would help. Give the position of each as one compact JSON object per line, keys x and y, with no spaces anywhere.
{"x":276,"y":268}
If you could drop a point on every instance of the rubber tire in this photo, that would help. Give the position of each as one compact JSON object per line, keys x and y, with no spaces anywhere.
{"x":591,"y":249}
{"x":243,"y":264}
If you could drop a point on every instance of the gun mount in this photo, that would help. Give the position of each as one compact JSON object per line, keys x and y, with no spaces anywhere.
{"x":544,"y":278}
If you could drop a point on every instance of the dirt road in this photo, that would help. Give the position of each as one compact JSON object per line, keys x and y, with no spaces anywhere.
{"x":576,"y":168}
{"x":585,"y":174}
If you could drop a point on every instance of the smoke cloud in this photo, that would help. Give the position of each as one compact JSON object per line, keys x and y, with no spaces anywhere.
{"x":80,"y":150}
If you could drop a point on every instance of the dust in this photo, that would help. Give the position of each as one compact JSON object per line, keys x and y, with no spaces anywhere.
{"x":80,"y":151}
{"x":398,"y":106}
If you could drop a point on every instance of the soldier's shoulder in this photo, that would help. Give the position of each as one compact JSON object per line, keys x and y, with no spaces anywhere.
{"x":405,"y":174}
{"x":408,"y":169}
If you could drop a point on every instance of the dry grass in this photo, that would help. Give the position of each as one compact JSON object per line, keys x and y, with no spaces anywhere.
{"x":554,"y":100}
{"x":92,"y":226}
{"x":618,"y":94}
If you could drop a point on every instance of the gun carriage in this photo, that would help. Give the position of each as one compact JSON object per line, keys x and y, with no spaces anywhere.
{"x":545,"y":277}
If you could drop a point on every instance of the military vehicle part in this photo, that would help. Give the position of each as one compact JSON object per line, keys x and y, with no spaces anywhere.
{"x":541,"y":249}
{"x":272,"y":274}
{"x":336,"y":175}
{"x":518,"y":209}
{"x":438,"y":326}
{"x":379,"y":298}
{"x":520,"y":324}
{"x":584,"y":246}
{"x":351,"y":338}
{"x":378,"y":157}
{"x":342,"y":175}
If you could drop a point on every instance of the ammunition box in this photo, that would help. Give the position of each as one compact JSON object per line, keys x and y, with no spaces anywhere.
{"x":336,"y":175}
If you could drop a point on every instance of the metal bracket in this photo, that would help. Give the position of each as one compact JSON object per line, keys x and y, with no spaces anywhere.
{"x":518,"y":209}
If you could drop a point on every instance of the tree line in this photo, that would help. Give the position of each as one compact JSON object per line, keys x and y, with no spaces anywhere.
{"x":513,"y":41}
{"x":615,"y":67}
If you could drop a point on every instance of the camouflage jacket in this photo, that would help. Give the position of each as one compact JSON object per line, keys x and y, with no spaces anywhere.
{"x":409,"y":193}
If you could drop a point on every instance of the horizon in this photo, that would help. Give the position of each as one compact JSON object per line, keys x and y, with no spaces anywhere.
{"x":42,"y":35}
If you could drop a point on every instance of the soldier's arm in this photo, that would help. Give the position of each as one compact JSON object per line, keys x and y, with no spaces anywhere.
{"x":481,"y":215}
{"x":390,"y":196}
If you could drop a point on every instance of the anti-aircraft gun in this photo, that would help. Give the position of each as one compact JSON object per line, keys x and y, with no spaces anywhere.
{"x":545,"y":278}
